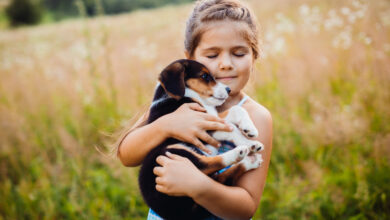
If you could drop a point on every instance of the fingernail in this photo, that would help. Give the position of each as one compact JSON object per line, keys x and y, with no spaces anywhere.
{"x":168,"y":153}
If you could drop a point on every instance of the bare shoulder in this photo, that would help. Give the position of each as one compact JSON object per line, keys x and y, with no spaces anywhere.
{"x":258,"y":112}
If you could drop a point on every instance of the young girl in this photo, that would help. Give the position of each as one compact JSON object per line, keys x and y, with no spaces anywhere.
{"x":222,"y":35}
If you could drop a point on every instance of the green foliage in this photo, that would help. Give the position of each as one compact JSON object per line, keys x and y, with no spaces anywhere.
{"x":67,"y":8}
{"x":23,"y":12}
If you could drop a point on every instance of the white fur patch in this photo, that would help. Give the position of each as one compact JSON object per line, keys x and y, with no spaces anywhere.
{"x":235,"y":155}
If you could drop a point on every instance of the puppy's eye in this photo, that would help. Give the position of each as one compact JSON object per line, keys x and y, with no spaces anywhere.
{"x":205,"y":77}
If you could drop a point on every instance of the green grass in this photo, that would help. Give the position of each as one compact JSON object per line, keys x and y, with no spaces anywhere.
{"x":66,"y":87}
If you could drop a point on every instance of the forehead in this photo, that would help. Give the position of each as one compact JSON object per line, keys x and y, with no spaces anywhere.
{"x":224,"y":34}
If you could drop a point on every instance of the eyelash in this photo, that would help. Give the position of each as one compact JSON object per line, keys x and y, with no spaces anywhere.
{"x":211,"y":57}
{"x":214,"y":56}
{"x":239,"y":55}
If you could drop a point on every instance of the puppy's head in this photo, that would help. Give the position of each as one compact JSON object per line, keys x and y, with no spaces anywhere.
{"x":189,"y":74}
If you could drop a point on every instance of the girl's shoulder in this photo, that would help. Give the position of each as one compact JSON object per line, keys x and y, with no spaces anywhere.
{"x":257,"y":111}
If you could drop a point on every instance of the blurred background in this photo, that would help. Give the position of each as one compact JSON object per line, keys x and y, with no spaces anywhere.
{"x":74,"y":72}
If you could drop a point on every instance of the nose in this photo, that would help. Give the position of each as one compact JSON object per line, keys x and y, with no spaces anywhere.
{"x":228,"y":90}
{"x":225,"y":62}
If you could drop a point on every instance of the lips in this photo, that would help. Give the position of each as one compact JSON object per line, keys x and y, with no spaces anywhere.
{"x":226,"y":78}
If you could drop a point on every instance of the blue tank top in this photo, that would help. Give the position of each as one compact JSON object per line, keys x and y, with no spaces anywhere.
{"x":225,"y":146}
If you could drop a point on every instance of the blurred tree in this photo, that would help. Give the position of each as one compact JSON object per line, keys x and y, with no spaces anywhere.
{"x":66,"y":8}
{"x":20,"y":12}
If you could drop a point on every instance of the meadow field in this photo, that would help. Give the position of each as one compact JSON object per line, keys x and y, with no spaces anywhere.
{"x":67,"y":89}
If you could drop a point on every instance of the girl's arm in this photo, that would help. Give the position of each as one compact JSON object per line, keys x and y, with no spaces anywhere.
{"x":181,"y":177}
{"x":188,"y":123}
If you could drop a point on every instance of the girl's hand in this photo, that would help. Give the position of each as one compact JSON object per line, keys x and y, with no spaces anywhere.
{"x":178,"y":176}
{"x":190,"y":122}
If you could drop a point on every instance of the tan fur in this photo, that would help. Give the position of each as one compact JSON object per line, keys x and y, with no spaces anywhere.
{"x":199,"y":86}
{"x":233,"y":172}
{"x":213,"y":163}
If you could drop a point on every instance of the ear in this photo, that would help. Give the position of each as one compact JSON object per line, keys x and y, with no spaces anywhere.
{"x":172,"y":79}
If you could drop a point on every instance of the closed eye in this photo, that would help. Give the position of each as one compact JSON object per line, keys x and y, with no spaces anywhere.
{"x":239,"y":55}
{"x":212,"y":56}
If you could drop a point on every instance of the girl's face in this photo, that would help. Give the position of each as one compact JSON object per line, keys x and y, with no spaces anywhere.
{"x":224,"y":50}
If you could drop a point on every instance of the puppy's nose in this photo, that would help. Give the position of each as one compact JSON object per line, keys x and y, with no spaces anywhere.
{"x":228,"y":90}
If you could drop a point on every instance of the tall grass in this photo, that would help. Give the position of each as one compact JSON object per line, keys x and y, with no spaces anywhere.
{"x":324,"y":74}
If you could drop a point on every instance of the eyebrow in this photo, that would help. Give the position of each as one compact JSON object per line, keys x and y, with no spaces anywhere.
{"x":234,"y":48}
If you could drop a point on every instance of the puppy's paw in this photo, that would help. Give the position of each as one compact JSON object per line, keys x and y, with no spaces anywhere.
{"x":235,"y":155}
{"x":241,"y":152}
{"x":256,"y":147}
{"x":248,"y":128}
{"x":252,"y":161}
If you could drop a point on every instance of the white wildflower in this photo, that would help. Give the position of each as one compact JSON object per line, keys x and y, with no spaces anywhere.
{"x":351,"y":18}
{"x":357,"y":4}
{"x":360,"y":13}
{"x":284,"y":25}
{"x":344,"y":39}
{"x":278,"y":45}
{"x":269,"y":36}
{"x":345,"y":11}
{"x":385,"y":18}
{"x":367,"y":40}
{"x":364,"y":38}
{"x":312,"y":19}
{"x":304,"y":10}
{"x":333,"y":20}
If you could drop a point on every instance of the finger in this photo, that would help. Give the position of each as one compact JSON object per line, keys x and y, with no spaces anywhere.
{"x":200,"y":145}
{"x":158,"y":171}
{"x":162,"y":160}
{"x":174,"y":156}
{"x":213,"y":118}
{"x":160,"y":188}
{"x":216,"y":126}
{"x":208,"y":139}
{"x":196,"y":107}
{"x":159,"y":181}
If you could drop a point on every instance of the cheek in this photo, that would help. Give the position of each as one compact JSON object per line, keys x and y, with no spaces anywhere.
{"x":244,"y":68}
{"x":210,"y":65}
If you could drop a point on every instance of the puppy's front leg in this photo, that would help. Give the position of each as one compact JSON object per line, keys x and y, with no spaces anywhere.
{"x":209,"y":165}
{"x":240,"y":117}
{"x":221,"y":161}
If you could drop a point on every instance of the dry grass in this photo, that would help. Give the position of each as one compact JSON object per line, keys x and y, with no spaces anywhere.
{"x":324,"y":74}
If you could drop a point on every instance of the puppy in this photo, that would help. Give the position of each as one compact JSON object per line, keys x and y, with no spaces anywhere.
{"x":186,"y":81}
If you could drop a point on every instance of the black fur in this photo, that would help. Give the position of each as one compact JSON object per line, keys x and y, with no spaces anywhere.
{"x":169,"y":207}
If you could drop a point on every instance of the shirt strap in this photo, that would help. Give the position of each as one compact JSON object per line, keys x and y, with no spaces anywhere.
{"x":243,"y":100}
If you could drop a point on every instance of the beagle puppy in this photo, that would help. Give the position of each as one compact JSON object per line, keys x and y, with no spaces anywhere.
{"x":186,"y":81}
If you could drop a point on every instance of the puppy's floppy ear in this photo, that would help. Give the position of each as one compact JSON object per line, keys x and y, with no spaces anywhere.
{"x":172,"y":79}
